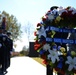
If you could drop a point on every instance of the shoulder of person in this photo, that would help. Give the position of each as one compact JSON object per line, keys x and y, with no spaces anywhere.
{"x":3,"y":37}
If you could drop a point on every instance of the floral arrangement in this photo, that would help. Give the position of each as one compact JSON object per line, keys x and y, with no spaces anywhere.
{"x":55,"y":55}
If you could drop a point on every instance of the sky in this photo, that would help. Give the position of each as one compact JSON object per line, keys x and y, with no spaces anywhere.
{"x":31,"y":11}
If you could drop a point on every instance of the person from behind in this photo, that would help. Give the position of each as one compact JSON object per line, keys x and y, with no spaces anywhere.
{"x":5,"y":48}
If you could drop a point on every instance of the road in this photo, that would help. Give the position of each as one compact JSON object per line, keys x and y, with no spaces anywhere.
{"x":25,"y":66}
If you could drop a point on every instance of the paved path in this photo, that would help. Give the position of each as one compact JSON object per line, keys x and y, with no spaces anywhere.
{"x":25,"y":66}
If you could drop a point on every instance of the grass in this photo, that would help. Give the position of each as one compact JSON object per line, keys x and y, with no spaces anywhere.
{"x":39,"y":60}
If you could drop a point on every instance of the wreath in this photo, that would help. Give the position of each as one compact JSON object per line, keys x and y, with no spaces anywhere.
{"x":56,"y":20}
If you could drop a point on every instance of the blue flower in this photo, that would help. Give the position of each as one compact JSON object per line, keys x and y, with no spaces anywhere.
{"x":60,"y":65}
{"x":41,"y":52}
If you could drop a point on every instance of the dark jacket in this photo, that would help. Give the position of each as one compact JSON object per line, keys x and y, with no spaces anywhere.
{"x":5,"y":51}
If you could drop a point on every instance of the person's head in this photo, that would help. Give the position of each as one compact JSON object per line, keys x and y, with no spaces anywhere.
{"x":4,"y":19}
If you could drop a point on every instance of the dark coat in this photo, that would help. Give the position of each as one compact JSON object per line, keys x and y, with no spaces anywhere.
{"x":5,"y":51}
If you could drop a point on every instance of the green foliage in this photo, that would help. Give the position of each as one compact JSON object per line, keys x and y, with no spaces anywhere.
{"x":23,"y":53}
{"x":12,"y":26}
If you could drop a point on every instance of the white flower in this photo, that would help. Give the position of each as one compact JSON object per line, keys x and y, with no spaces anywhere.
{"x":71,"y":62}
{"x":53,"y":55}
{"x":61,"y":11}
{"x":46,"y":47}
{"x":51,"y":17}
{"x":60,"y":8}
{"x":60,"y":53}
{"x":41,"y":32}
{"x":74,"y":11}
{"x":54,"y":11}
{"x":71,"y":9}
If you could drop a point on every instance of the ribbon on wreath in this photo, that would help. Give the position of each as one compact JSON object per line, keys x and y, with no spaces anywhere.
{"x":59,"y":40}
{"x":66,"y":30}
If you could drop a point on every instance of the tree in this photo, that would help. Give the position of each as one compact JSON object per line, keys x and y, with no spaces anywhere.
{"x":24,"y":51}
{"x":12,"y":25}
{"x":29,"y":30}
